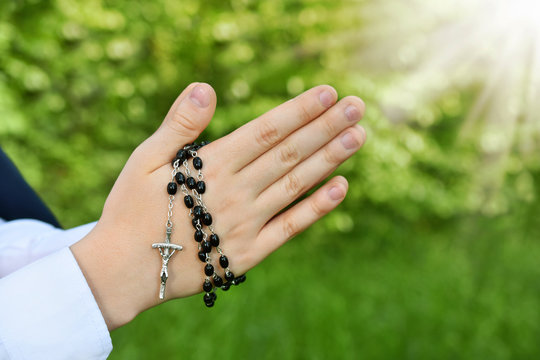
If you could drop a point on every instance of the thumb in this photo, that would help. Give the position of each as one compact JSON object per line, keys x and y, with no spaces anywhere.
{"x":188,"y":117}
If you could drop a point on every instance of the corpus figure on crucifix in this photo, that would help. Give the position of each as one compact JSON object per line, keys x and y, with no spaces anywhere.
{"x":166,"y":253}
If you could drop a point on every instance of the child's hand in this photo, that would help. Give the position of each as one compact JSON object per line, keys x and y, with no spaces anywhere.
{"x":251,"y":175}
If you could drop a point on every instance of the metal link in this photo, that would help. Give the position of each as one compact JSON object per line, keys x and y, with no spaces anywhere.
{"x":168,"y":224}
{"x":199,"y":201}
{"x":186,"y":167}
{"x":184,"y":189}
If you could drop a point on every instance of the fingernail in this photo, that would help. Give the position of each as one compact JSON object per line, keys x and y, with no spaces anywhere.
{"x":326,"y":98}
{"x":199,"y":96}
{"x":352,"y":113}
{"x":336,"y":193}
{"x":349,"y":141}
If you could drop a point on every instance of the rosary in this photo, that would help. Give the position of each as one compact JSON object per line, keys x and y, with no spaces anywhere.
{"x":206,"y":239}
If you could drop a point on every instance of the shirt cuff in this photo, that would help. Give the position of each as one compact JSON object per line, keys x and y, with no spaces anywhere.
{"x":24,"y":241}
{"x":47,"y":311}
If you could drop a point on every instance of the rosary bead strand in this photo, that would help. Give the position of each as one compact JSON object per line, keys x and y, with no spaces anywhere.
{"x":201,"y":217}
{"x":197,"y":212}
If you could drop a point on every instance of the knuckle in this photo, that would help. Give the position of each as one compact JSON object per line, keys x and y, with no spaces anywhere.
{"x":288,"y":154}
{"x":293,"y":185}
{"x":329,"y":127}
{"x":183,"y":125}
{"x":267,"y":134}
{"x":290,"y":227}
{"x":303,"y":112}
{"x":317,"y":208}
{"x":331,"y":157}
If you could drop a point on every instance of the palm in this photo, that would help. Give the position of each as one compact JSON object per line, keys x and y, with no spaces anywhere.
{"x":251,"y":175}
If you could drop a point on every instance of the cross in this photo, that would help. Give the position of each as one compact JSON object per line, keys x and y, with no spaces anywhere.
{"x":164,"y":250}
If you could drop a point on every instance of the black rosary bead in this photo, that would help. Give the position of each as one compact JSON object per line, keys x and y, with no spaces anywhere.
{"x":208,"y":297}
{"x":199,"y":219}
{"x":182,"y":155}
{"x":201,"y":187}
{"x":198,"y":211}
{"x":223,"y":261}
{"x":188,"y":200}
{"x":207,"y":219}
{"x":191,"y":183}
{"x":207,"y":286}
{"x":204,"y":143}
{"x":218,"y":281}
{"x":206,"y":247}
{"x":197,"y":163}
{"x":229,"y":276}
{"x":171,"y":188}
{"x":208,"y":269}
{"x":180,"y":178}
{"x":214,"y":240}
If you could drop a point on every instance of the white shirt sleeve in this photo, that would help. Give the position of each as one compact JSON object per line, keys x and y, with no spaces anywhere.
{"x":26,"y":240}
{"x":47,"y":310}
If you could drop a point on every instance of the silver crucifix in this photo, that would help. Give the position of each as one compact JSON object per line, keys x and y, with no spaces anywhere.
{"x":166,"y":253}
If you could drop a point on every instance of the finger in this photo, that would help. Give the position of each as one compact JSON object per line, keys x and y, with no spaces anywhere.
{"x":275,"y":163}
{"x":301,"y":216}
{"x":270,"y":128}
{"x":182,"y":125}
{"x":179,"y":99}
{"x":311,"y":171}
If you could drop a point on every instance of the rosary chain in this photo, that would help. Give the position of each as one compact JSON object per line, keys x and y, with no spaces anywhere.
{"x":201,"y":218}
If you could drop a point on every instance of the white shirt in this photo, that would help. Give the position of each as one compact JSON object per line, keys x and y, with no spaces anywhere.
{"x":47,"y":310}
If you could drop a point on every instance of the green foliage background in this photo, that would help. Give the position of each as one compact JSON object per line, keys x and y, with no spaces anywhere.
{"x":431,"y":255}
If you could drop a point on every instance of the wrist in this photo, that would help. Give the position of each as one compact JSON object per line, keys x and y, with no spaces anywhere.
{"x":117,"y":272}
